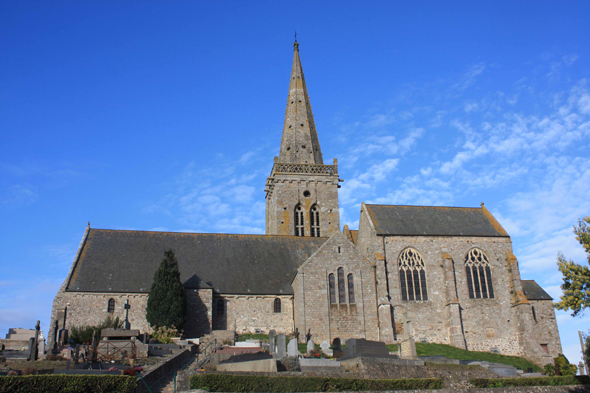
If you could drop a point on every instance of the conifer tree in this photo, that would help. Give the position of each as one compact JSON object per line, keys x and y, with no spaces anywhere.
{"x":166,"y":304}
{"x":576,"y":278}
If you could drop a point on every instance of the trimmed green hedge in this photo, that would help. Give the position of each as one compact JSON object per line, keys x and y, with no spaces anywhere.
{"x":533,"y":381}
{"x":68,"y":383}
{"x":257,"y":383}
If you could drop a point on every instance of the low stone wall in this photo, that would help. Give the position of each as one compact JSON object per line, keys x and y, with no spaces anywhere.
{"x":159,"y":370}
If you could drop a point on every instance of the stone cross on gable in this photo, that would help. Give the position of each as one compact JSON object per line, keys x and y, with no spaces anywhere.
{"x":127,"y":307}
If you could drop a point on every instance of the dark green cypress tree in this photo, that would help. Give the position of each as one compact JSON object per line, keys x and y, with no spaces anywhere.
{"x":166,"y":304}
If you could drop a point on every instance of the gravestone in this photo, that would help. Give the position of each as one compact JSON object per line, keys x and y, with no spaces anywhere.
{"x":271,"y":341}
{"x":408,"y":349}
{"x":281,"y":346}
{"x":356,"y":347}
{"x":336,"y":347}
{"x":63,"y":337}
{"x":31,"y":349}
{"x":310,"y":346}
{"x":325,"y":348}
{"x":292,"y":348}
{"x":35,"y":354}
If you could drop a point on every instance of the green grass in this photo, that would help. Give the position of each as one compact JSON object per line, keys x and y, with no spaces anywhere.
{"x":256,"y":336}
{"x":461,"y":354}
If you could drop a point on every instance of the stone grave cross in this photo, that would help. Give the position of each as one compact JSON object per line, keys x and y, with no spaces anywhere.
{"x":127,"y":307}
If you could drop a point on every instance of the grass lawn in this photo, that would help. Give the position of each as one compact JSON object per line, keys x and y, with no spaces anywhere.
{"x":461,"y":354}
{"x":257,"y":336}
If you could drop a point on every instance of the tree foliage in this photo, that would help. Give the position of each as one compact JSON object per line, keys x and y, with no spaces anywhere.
{"x":166,"y":304}
{"x":84,"y":334}
{"x":576,"y":278}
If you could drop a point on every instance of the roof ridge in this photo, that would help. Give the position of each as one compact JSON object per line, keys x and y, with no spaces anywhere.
{"x":208,"y":233}
{"x":446,"y":207}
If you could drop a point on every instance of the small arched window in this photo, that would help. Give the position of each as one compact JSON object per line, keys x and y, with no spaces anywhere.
{"x":314,"y":220}
{"x":111,"y":306}
{"x":412,"y":275}
{"x":332,"y":284}
{"x":479,"y":275}
{"x":299,"y":221}
{"x":341,"y":286}
{"x":350,"y":289}
{"x":220,"y":307}
{"x":277,"y":306}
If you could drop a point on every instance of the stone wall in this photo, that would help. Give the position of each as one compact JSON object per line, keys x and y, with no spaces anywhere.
{"x":286,"y":191}
{"x":544,"y":332}
{"x":252,"y":313}
{"x":199,"y":318}
{"x":313,"y":310}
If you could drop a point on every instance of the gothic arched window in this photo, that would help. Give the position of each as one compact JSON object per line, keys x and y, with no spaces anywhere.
{"x":341,"y":286}
{"x":277,"y":305}
{"x":479,"y":275}
{"x":350,"y":289}
{"x":332,"y":285}
{"x":314,"y":220}
{"x":412,"y":275}
{"x":220,"y":307}
{"x":111,"y":306}
{"x":299,"y":221}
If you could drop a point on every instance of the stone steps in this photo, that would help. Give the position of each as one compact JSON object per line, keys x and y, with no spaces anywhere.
{"x":166,"y":383}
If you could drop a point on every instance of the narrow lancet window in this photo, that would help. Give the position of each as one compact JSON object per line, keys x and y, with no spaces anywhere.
{"x":479,"y":275}
{"x":332,"y":284}
{"x":341,"y":286}
{"x":220,"y":307}
{"x":412,"y":275}
{"x":350,"y":289}
{"x":111,"y":306}
{"x":314,"y":220}
{"x":277,"y":306}
{"x":299,"y":221}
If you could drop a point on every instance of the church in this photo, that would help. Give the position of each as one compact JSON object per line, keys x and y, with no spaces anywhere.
{"x":436,"y":274}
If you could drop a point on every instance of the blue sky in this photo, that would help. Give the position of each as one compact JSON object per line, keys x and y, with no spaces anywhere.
{"x":166,"y":116}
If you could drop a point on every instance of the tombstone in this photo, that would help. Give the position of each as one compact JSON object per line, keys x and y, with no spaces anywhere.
{"x":356,"y":347}
{"x":31,"y":349}
{"x":308,"y":335}
{"x":63,"y":337}
{"x":325,"y":348}
{"x":582,"y":368}
{"x":408,"y":349}
{"x":68,"y":358}
{"x":280,"y":349}
{"x":77,"y":354}
{"x":127,"y":307}
{"x":35,"y":354}
{"x":310,"y":346}
{"x":337,"y":347}
{"x":297,"y":334}
{"x":271,"y":341}
{"x":292,"y":348}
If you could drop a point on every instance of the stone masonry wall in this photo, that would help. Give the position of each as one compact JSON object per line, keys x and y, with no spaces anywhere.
{"x":544,"y":331}
{"x":487,"y":323}
{"x":288,"y":190}
{"x":313,"y":310}
{"x":199,"y":318}
{"x":252,"y":313}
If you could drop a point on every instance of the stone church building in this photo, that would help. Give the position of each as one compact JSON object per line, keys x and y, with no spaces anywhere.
{"x":444,"y":274}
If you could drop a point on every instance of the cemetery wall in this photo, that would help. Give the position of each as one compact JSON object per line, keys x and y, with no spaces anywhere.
{"x":345,"y":318}
{"x":252,"y":313}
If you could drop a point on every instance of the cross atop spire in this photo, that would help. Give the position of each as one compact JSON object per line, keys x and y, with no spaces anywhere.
{"x":300,"y":144}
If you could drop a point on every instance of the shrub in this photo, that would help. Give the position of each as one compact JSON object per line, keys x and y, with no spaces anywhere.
{"x":538,"y":381}
{"x":291,"y":363}
{"x":84,"y":334}
{"x":164,"y":335}
{"x":12,"y":373}
{"x":28,"y":371}
{"x":51,"y":383}
{"x":563,"y":366}
{"x":549,"y":370}
{"x":256,"y":383}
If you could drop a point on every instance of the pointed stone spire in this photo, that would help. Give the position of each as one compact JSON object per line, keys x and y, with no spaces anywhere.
{"x":300,"y":144}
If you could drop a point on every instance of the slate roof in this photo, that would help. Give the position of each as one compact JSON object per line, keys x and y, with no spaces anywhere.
{"x":533,"y":291}
{"x":434,"y":221}
{"x":125,"y":261}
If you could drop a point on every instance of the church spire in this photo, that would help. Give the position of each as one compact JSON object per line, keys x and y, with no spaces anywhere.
{"x":300,"y":144}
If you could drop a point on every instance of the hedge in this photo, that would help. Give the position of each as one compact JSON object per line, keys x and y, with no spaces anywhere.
{"x":51,"y":383}
{"x":532,"y":381}
{"x":257,"y":383}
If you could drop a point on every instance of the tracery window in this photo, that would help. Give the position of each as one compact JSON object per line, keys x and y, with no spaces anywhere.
{"x":277,"y":306}
{"x":412,"y":275}
{"x":111,"y":306}
{"x":220,"y":307}
{"x":314,"y":220}
{"x":299,"y":221}
{"x":350,"y":289}
{"x":479,"y":275}
{"x":332,"y":285}
{"x":341,"y":286}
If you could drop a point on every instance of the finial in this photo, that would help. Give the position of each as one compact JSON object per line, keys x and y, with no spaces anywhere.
{"x":482,"y":204}
{"x":88,"y":223}
{"x":296,"y":44}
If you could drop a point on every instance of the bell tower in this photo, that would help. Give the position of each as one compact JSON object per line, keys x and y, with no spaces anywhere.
{"x":301,"y":192}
